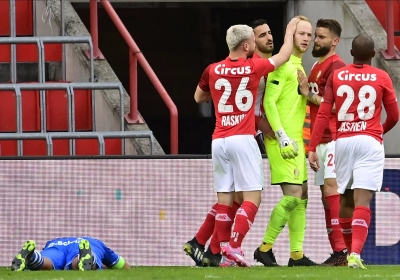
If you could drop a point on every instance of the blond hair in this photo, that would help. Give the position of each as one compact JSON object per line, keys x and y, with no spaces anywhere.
{"x":303,"y":18}
{"x":236,"y":34}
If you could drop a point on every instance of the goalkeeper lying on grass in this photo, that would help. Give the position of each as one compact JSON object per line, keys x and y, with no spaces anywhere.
{"x":68,"y":253}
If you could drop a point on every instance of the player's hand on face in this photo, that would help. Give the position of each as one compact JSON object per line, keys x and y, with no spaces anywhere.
{"x":314,"y":161}
{"x":291,"y":27}
{"x":266,"y":129}
{"x":303,"y":83}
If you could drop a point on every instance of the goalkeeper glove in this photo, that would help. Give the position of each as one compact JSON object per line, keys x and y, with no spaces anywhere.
{"x":289,"y":147}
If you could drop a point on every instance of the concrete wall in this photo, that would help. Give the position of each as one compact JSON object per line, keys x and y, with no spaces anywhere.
{"x":78,"y":70}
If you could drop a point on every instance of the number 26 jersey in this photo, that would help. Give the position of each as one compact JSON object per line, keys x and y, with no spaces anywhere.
{"x":233,"y":85}
{"x":359,"y":92}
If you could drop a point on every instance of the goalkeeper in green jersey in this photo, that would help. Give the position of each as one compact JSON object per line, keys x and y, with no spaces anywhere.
{"x":286,"y":110}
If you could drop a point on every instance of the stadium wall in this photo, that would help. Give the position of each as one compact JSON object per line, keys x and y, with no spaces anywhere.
{"x":146,"y":209}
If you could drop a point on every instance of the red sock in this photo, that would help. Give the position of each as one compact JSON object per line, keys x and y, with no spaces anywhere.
{"x":214,"y":243}
{"x":206,"y":230}
{"x":223,"y":222}
{"x":244,"y":219}
{"x":360,"y":224}
{"x":346,"y":228}
{"x":334,"y":206}
{"x":329,"y":227}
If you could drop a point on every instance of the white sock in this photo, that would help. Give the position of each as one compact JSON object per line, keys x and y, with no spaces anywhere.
{"x":36,"y":262}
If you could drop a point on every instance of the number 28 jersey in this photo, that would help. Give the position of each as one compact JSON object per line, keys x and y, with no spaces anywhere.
{"x":359,"y":92}
{"x":233,"y":85}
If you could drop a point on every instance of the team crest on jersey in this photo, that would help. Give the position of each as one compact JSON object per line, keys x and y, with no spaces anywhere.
{"x":319,"y":74}
{"x":296,"y":173}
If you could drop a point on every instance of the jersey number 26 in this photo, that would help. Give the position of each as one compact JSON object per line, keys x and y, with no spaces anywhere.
{"x":241,"y":94}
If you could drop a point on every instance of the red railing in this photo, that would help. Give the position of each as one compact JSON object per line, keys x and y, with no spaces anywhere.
{"x":390,"y":52}
{"x":135,"y":56}
{"x":385,"y":16}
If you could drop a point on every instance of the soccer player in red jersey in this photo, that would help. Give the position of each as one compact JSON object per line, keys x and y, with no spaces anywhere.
{"x":327,"y":36}
{"x":358,"y":91}
{"x":264,"y":49}
{"x":232,"y":84}
{"x":195,"y":247}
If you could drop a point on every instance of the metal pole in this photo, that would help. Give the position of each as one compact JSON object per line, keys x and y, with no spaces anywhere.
{"x":94,"y":31}
{"x":13,"y":33}
{"x":390,"y":52}
{"x":62,"y":33}
{"x":34,"y":19}
{"x":390,"y":27}
{"x":133,"y":114}
{"x":18,"y":99}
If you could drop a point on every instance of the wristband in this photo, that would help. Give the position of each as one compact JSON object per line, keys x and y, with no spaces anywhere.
{"x":310,"y":95}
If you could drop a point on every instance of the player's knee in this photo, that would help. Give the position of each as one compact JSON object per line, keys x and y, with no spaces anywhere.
{"x":288,"y":203}
{"x":363,"y":197}
{"x":330,"y":187}
{"x":347,"y":199}
{"x":253,"y":196}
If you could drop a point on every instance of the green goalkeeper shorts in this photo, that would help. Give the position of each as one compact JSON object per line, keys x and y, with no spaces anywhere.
{"x":292,"y":171}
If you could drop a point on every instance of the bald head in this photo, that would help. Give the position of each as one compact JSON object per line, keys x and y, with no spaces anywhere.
{"x":363,"y":48}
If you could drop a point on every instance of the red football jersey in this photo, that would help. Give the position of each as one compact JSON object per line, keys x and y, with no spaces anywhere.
{"x":317,"y":81}
{"x":358,"y":92}
{"x":233,"y":85}
{"x":259,"y":108}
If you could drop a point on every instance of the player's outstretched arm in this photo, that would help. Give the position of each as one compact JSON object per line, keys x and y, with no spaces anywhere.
{"x":201,"y":96}
{"x":287,"y":48}
{"x":389,"y":101}
{"x":392,"y":116}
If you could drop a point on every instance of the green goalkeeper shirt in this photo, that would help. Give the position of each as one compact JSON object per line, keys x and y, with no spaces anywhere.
{"x":284,"y":107}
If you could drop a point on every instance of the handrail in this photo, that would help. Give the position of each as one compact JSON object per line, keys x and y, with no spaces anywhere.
{"x":49,"y":136}
{"x":135,"y":55}
{"x":49,"y":39}
{"x":68,"y":87}
{"x":390,"y":53}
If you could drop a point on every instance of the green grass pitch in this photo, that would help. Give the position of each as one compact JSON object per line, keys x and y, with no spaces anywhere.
{"x":192,"y":273}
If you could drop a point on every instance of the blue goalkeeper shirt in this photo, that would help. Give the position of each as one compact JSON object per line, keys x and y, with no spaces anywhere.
{"x":70,"y":248}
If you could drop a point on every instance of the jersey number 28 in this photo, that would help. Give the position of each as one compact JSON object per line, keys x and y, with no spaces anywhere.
{"x":241,"y":94}
{"x":366,"y":106}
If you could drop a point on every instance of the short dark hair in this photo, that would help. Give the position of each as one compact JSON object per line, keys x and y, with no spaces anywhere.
{"x":257,"y":22}
{"x":331,"y":24}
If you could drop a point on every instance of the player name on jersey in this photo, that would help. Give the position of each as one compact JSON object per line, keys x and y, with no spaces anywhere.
{"x":232,"y":120}
{"x":353,"y":126}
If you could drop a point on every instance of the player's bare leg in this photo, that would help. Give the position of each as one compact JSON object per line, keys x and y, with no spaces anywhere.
{"x":332,"y":201}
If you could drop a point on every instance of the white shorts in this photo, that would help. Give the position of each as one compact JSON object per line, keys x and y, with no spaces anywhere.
{"x":359,"y":163}
{"x":237,"y":164}
{"x":326,"y":154}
